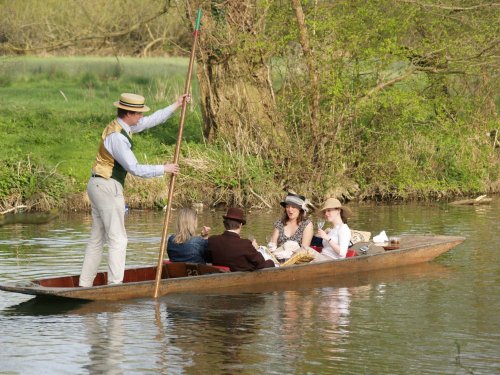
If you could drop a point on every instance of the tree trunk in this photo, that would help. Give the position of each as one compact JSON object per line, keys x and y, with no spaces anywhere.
{"x":311,"y":66}
{"x":236,"y":93}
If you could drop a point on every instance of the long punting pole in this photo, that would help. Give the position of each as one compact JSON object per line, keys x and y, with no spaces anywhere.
{"x":176,"y":158}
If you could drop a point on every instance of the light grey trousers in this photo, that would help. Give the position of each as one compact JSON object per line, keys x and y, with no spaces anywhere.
{"x":108,"y":225}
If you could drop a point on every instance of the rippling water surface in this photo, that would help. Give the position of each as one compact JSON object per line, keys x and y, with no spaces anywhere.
{"x":440,"y":317}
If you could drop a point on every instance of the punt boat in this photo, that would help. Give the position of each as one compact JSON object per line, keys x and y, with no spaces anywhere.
{"x":199,"y":278}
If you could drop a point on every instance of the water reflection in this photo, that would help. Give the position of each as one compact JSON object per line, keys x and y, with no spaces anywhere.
{"x":320,"y":317}
{"x":230,"y":328}
{"x":105,"y":336}
{"x":323,"y":312}
{"x":403,"y":320}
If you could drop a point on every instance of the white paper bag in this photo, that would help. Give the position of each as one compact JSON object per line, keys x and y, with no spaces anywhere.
{"x":381,"y":237}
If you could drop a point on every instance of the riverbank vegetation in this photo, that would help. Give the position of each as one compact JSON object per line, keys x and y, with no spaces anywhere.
{"x":56,"y":108}
{"x":391,"y":100}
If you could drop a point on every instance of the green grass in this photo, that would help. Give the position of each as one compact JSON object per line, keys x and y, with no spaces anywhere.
{"x":55,"y":108}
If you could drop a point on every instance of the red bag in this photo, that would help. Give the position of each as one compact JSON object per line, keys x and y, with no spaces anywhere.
{"x":350,"y":253}
{"x":317,"y":248}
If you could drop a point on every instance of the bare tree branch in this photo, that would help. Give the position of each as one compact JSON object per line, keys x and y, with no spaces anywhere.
{"x":451,"y":8}
{"x":383,"y":85}
{"x":479,"y":54}
{"x":435,"y":70}
{"x":82,"y":38}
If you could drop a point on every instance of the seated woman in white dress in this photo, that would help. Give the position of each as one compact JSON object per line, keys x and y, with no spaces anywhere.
{"x":337,"y":240}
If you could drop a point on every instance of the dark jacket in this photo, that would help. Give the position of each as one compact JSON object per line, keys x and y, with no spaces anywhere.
{"x":229,"y":250}
{"x":193,"y":250}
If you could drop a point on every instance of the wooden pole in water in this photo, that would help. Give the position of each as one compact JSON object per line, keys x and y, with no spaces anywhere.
{"x":187,"y":87}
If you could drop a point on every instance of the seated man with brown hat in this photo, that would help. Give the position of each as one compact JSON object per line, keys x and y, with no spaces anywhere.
{"x":230,"y":250}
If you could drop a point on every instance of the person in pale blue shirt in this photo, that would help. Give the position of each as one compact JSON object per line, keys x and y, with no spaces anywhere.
{"x":113,"y":161}
{"x":185,"y":245}
{"x":337,"y":240}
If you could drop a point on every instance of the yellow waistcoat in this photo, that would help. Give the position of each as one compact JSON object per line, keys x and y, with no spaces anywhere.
{"x":104,"y":165}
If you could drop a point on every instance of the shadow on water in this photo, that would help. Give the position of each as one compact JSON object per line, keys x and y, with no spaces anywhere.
{"x":41,"y":306}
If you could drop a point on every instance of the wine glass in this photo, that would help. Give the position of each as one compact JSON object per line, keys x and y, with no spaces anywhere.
{"x":320,"y":223}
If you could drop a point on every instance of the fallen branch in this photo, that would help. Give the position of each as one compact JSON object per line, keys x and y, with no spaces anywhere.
{"x":261,"y":199}
{"x":482,"y":199}
{"x":13,"y":209}
{"x":451,"y":8}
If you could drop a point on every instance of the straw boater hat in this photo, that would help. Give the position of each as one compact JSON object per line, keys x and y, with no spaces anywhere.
{"x":131,"y":102}
{"x":235,"y":213}
{"x":296,"y":200}
{"x":335,"y":203}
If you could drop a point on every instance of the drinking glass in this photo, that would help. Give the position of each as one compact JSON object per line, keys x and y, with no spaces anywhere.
{"x":270,"y":245}
{"x":320,"y":223}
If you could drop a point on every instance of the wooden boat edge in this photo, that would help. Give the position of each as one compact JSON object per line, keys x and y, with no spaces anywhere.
{"x":186,"y":284}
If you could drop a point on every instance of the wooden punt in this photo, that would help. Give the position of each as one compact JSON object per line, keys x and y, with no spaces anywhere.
{"x":199,"y":278}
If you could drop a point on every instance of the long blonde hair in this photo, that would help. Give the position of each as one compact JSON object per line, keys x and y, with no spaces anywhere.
{"x":185,"y":225}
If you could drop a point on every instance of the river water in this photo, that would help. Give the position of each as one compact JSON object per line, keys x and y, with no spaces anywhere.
{"x":441,"y":317}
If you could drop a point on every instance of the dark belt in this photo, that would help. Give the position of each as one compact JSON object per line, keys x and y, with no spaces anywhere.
{"x":97,"y":175}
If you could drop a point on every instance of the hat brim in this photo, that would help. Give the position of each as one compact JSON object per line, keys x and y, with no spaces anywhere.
{"x":131,"y":109}
{"x":242,"y":221}
{"x":347,"y":210}
{"x":285,"y":203}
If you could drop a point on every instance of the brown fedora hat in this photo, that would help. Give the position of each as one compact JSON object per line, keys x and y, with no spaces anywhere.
{"x":131,"y":102}
{"x":335,"y":203}
{"x":235,"y":213}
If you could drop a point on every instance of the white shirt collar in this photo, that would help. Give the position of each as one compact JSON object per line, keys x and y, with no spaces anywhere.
{"x":124,"y":125}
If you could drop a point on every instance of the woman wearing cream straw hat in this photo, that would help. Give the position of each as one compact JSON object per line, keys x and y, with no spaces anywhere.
{"x":336,"y":241}
{"x":105,"y":188}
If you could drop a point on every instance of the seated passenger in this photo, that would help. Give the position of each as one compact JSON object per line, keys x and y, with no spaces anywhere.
{"x":337,"y":240}
{"x":184,"y":245}
{"x":228,"y":249}
{"x":294,"y":225}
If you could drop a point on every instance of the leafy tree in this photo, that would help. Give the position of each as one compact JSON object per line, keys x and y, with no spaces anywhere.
{"x":370,"y":94}
{"x":382,"y":99}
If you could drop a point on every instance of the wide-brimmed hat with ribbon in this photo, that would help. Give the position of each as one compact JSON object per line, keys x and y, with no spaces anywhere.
{"x":335,"y":203}
{"x":296,"y":200}
{"x":235,"y":213}
{"x":131,"y":102}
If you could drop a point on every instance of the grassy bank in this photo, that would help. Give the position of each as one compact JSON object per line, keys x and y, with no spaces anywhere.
{"x":54,"y":110}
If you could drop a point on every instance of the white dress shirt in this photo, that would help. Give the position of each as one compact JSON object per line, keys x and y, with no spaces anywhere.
{"x":120,"y":148}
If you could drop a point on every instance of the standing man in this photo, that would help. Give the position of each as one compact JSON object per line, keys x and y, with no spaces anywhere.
{"x":228,"y":249}
{"x":105,"y":188}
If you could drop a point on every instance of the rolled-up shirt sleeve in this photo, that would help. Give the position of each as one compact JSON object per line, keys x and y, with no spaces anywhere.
{"x":156,"y":118}
{"x":120,"y":149}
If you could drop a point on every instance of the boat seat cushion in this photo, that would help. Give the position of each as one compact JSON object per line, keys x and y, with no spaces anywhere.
{"x":360,"y":236}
